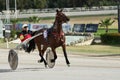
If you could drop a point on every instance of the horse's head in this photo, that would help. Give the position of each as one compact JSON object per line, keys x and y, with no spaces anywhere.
{"x":61,"y":16}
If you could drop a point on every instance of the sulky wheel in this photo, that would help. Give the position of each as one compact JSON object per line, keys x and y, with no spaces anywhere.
{"x":49,"y":58}
{"x":13,"y":59}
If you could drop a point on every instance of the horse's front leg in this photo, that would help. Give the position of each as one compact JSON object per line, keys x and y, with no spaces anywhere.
{"x":55,"y":55}
{"x":65,"y":54}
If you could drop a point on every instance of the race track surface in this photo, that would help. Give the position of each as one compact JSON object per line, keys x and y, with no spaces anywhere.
{"x":82,"y":68}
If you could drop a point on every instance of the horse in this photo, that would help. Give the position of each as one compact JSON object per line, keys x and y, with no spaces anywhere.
{"x":55,"y":38}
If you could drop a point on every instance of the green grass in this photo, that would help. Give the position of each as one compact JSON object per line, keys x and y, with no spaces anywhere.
{"x":90,"y":49}
{"x":93,"y":49}
{"x":3,"y":45}
{"x":1,"y":40}
{"x":102,"y":31}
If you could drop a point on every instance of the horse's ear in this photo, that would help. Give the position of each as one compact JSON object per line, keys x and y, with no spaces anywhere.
{"x":61,"y":10}
{"x":57,"y":10}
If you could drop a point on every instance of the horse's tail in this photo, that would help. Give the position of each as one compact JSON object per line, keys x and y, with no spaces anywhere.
{"x":31,"y":46}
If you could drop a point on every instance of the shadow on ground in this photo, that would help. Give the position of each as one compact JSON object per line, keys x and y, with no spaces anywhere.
{"x":30,"y":69}
{"x":21,"y":69}
{"x":5,"y":70}
{"x":107,"y":55}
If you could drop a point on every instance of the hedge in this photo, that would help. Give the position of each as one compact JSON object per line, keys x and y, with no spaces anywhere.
{"x":110,"y":38}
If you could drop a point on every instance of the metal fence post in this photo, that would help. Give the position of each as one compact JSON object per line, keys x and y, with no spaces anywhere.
{"x":119,"y":18}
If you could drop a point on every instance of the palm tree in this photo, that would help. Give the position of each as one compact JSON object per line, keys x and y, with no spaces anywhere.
{"x":106,"y":23}
{"x":13,"y":31}
{"x":34,"y":19}
{"x":14,"y":22}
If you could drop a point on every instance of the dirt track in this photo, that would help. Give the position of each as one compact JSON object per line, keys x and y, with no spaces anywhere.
{"x":82,"y":68}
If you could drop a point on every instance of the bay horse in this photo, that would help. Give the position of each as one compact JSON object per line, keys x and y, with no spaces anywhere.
{"x":55,"y":38}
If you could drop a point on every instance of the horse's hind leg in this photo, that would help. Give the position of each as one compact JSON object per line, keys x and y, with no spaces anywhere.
{"x":65,"y":54}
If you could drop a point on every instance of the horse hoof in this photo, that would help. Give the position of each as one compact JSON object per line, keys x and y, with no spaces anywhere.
{"x":39,"y":61}
{"x":68,"y":65}
{"x":45,"y":66}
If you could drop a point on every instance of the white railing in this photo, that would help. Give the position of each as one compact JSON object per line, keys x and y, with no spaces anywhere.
{"x":50,"y":12}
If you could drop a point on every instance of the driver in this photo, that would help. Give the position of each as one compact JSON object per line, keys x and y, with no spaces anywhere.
{"x":25,"y":33}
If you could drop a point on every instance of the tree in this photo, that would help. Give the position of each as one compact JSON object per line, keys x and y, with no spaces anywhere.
{"x":40,"y":4}
{"x":20,"y":4}
{"x":106,"y":23}
{"x":2,"y":5}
